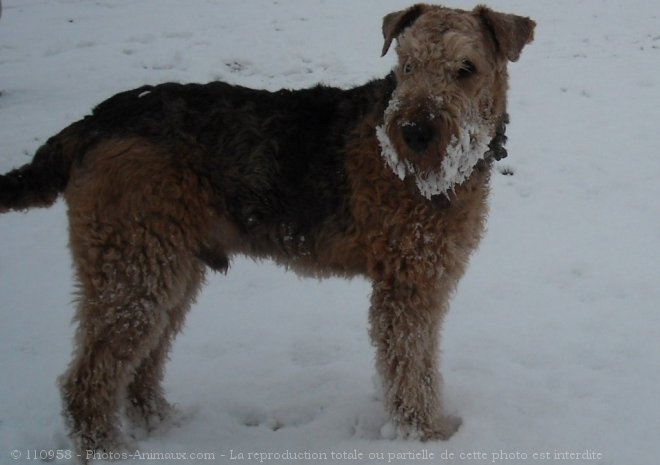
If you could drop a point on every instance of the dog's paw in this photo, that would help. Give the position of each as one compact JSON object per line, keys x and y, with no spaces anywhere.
{"x":441,"y":429}
{"x":147,"y":417}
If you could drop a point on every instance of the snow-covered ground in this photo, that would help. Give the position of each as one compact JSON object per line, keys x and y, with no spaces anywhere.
{"x":552,"y":344}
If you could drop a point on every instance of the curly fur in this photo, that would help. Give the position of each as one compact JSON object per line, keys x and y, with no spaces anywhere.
{"x":164,"y":181}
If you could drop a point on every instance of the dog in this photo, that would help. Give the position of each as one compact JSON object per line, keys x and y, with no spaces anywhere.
{"x":388,"y":180}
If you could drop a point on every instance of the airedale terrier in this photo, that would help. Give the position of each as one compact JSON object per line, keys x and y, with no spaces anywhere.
{"x":388,"y":180}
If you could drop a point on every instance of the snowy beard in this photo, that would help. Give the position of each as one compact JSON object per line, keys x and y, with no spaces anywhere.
{"x":461,"y":156}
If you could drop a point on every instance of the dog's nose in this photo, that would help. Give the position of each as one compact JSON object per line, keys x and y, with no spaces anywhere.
{"x":418,"y":135}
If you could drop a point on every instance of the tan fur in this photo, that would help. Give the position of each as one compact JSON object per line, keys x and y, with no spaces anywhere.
{"x":144,"y":222}
{"x":415,"y":257}
{"x":133,"y":221}
{"x":418,"y":254}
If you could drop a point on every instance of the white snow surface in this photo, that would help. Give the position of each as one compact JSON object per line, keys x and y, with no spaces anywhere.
{"x":552,"y":342}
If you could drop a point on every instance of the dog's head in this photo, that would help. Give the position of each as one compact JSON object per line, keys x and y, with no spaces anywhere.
{"x":451,"y":90}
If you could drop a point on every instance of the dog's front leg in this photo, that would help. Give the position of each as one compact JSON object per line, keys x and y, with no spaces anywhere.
{"x":404,"y":327}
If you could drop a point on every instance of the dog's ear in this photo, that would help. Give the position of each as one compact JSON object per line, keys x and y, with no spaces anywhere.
{"x":395,"y":23}
{"x":510,"y":32}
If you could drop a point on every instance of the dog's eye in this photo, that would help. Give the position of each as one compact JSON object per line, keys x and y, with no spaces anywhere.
{"x":466,"y":70}
{"x":407,"y":68}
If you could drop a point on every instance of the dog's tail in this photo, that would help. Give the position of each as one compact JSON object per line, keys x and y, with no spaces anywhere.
{"x":40,"y":182}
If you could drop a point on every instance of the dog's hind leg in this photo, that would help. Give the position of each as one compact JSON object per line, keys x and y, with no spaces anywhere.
{"x":126,"y":323}
{"x":112,"y":339}
{"x":133,"y":225}
{"x":147,"y":405}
